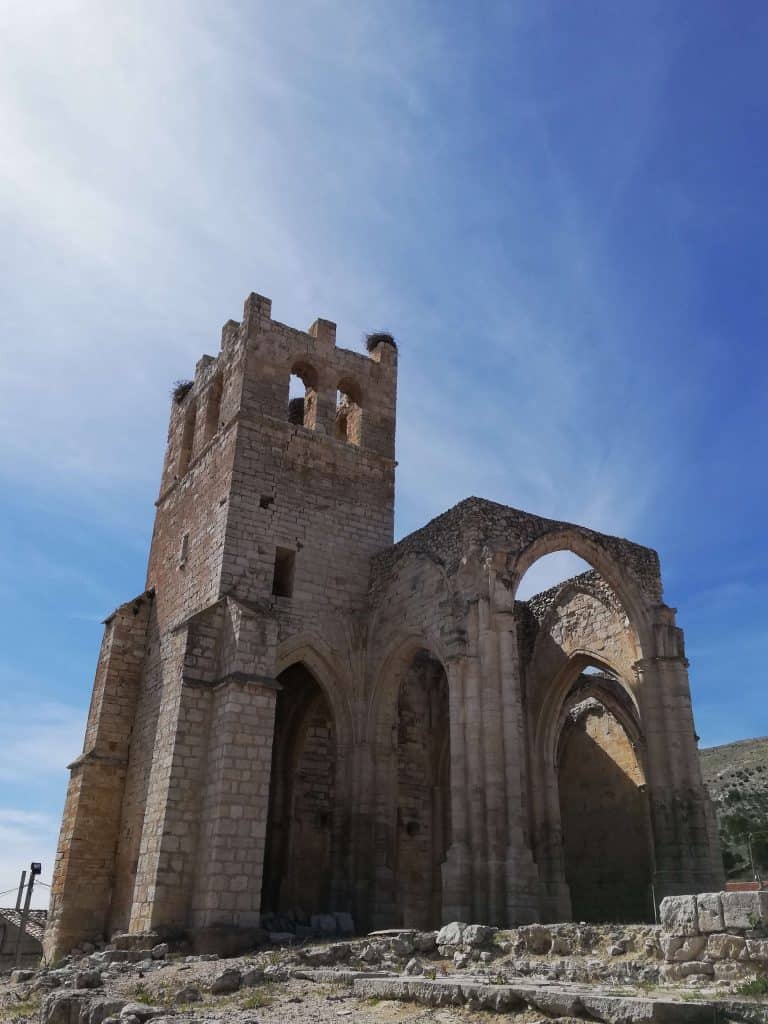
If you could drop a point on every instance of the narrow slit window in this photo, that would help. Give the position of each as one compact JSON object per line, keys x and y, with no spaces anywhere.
{"x":285,"y":563}
{"x":183,"y":550}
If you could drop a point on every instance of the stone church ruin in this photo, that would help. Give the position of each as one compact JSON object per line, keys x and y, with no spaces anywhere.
{"x":298,"y":716}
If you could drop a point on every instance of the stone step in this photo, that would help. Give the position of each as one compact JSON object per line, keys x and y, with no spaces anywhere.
{"x":554,"y":1000}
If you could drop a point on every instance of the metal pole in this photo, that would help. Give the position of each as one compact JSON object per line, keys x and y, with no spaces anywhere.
{"x":24,"y":916}
{"x":751,"y":856}
{"x":21,"y":889}
{"x":755,"y":867}
{"x":653,"y":901}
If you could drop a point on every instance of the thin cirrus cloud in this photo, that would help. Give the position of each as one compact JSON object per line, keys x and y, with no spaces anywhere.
{"x":26,"y":836}
{"x":38,"y":740}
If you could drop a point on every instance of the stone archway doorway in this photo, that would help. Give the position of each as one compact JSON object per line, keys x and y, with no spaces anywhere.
{"x":299,"y":851}
{"x":605,"y":820}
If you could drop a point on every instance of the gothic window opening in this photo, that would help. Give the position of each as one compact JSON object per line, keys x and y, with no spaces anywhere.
{"x":302,"y":396}
{"x":349,"y":413}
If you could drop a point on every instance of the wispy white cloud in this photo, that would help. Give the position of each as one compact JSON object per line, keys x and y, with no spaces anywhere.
{"x":38,"y":739}
{"x":26,"y":836}
{"x":360,"y":162}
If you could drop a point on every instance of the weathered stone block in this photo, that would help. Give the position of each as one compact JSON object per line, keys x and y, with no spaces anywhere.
{"x":678,"y":915}
{"x":188,"y":994}
{"x":88,"y":979}
{"x":228,"y":981}
{"x":252,"y":976}
{"x":683,"y":948}
{"x":724,"y":947}
{"x":709,"y":909}
{"x":450,"y":934}
{"x":475,"y":936}
{"x":676,"y":972}
{"x":63,"y":1007}
{"x":102,"y":1009}
{"x":141,"y":1011}
{"x":741,"y":910}
{"x":757,"y":949}
{"x":727,"y":970}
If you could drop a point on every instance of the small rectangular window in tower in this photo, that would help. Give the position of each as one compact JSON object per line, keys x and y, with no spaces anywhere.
{"x":282,"y":582}
{"x":184,"y":551}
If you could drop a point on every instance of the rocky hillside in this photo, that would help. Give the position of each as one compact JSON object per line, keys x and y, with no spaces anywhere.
{"x":736,"y":775}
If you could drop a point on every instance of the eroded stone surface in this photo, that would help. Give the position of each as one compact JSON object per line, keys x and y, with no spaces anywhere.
{"x":709,"y":912}
{"x":679,"y":915}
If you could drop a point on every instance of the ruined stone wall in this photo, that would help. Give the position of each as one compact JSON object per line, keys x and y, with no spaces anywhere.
{"x":714,"y":935}
{"x":272,"y":549}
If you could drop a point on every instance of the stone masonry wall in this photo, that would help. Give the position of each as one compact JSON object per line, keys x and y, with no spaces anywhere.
{"x":714,"y":935}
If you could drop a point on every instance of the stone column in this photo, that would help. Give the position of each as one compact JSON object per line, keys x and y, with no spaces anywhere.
{"x":475,"y":771}
{"x":457,"y":869}
{"x":521,"y":874}
{"x":235,"y":803}
{"x":685,"y":858}
{"x":494,"y":764}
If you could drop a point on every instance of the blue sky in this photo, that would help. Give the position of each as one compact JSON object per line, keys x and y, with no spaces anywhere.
{"x":559,"y":209}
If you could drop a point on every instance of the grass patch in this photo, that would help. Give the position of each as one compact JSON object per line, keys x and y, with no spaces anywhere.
{"x":141,"y":994}
{"x":257,"y":1000}
{"x":29,"y":1008}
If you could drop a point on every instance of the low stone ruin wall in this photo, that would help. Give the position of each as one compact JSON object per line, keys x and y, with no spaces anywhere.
{"x":720,"y":935}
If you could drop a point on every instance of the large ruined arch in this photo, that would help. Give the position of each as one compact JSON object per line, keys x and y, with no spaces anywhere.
{"x":409,"y":723}
{"x":603,"y":803}
{"x":590,"y":821}
{"x":607,"y":564}
{"x":305,"y":824}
